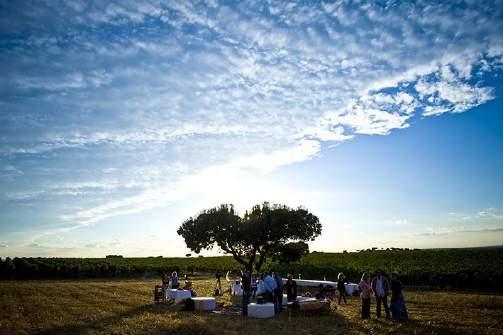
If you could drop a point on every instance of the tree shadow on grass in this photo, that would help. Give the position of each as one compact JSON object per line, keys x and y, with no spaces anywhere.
{"x":283,"y":323}
{"x":411,"y":326}
{"x":101,"y":324}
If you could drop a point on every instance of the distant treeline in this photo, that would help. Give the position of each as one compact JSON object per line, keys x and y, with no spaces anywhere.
{"x":473,"y":268}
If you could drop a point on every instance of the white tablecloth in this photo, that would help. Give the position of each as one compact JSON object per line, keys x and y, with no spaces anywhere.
{"x":261,"y":310}
{"x":204,"y":303}
{"x":350,"y":287}
{"x":178,"y":295}
{"x":305,"y":299}
{"x":299,"y":299}
{"x":313,"y":283}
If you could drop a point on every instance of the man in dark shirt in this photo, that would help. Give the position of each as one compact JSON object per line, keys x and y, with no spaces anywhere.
{"x":291,"y":289}
{"x":278,"y":292}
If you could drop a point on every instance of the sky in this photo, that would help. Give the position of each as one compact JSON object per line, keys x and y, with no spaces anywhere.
{"x":121,"y":119}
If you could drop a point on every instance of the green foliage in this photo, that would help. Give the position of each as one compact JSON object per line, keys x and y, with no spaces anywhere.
{"x":470,"y":268}
{"x":251,"y":239}
{"x":291,"y":252}
{"x":477,"y":268}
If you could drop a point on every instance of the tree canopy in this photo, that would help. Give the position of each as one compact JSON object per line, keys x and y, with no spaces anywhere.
{"x":291,"y":252}
{"x":260,"y":233}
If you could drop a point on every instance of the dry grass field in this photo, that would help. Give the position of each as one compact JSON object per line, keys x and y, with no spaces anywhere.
{"x":125,"y":307}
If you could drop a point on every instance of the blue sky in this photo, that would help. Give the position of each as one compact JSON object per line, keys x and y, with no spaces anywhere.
{"x":118,"y":120}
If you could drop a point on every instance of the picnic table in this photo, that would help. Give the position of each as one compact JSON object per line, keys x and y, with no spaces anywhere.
{"x":178,"y":295}
{"x":350,"y":287}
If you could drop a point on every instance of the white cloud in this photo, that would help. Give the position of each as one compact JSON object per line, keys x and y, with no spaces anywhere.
{"x":490,"y":214}
{"x":398,"y":222}
{"x":212,"y":180}
{"x":451,"y":96}
{"x":218,"y":90}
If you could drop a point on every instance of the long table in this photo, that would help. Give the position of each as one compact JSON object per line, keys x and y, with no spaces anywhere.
{"x":350,"y":287}
{"x":312,"y":283}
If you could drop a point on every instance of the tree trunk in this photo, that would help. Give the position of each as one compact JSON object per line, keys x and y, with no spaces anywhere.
{"x":246,"y":279}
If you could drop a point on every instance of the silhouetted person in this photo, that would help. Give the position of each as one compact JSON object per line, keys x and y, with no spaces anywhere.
{"x":398,"y":309}
{"x":341,"y":287}
{"x":291,"y":289}
{"x":218,"y":286}
{"x":278,"y":292}
{"x":380,"y":286}
{"x":253,"y":286}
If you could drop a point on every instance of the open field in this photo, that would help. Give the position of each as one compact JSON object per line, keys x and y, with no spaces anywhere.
{"x":125,"y":307}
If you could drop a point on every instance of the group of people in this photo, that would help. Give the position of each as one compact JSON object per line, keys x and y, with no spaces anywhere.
{"x":270,"y":288}
{"x":380,"y":287}
{"x":167,"y":279}
{"x":175,"y":284}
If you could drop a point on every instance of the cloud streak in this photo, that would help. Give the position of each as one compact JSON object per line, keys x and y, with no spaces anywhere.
{"x":191,"y":93}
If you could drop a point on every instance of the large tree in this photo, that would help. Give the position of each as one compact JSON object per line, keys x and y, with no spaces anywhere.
{"x":260,"y":233}
{"x":291,"y":252}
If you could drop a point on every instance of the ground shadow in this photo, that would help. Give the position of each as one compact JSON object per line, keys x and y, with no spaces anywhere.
{"x":100,"y":324}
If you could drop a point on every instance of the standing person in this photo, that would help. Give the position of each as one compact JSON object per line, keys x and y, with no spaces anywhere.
{"x":165,"y":284}
{"x":165,"y":281}
{"x":260,"y":286}
{"x":380,"y":286}
{"x":278,"y":292}
{"x":341,"y":287}
{"x":365,"y":293}
{"x":253,"y":286}
{"x":291,"y":289}
{"x":174,"y":280}
{"x":269,"y":287}
{"x":398,"y":309}
{"x":218,"y":285}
